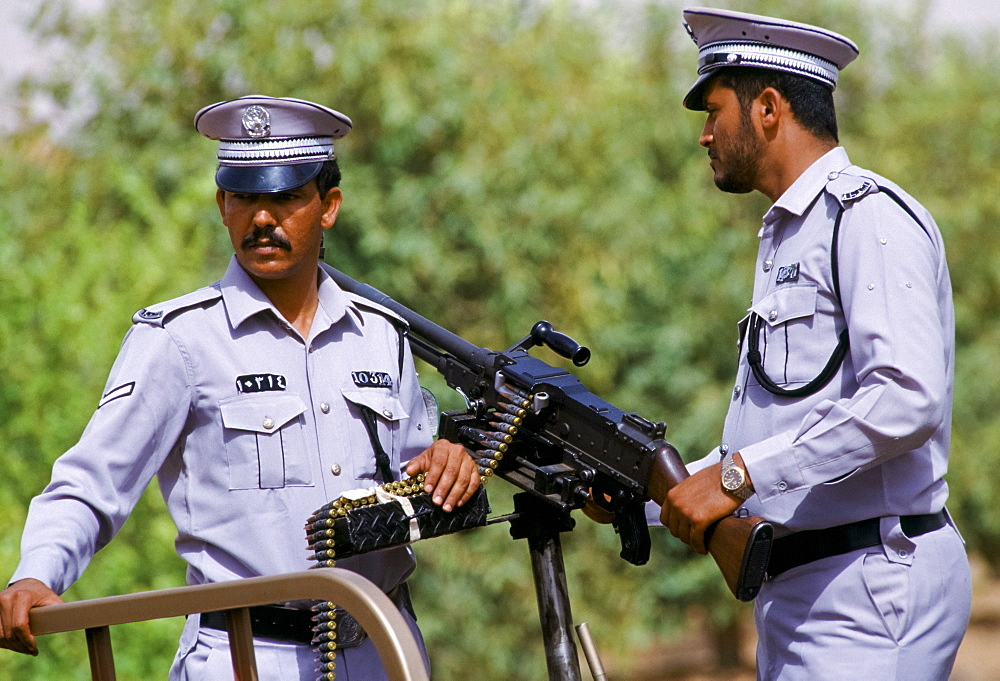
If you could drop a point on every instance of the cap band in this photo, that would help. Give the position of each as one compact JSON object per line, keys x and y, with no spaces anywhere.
{"x":719,"y":55}
{"x":271,"y":151}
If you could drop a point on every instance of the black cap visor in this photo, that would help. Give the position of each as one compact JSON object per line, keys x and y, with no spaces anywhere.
{"x":265,"y":179}
{"x":695,"y":98}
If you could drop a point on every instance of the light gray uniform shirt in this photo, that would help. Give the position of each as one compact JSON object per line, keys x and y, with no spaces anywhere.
{"x":248,"y":426}
{"x":874,"y":441}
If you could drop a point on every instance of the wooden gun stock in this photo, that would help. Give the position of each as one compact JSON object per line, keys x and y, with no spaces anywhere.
{"x":741,"y":547}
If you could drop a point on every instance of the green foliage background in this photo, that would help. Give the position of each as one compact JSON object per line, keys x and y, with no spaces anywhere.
{"x":510,"y":161}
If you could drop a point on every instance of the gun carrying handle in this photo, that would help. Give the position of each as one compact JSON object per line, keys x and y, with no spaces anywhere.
{"x":542,"y":333}
{"x":740,"y":547}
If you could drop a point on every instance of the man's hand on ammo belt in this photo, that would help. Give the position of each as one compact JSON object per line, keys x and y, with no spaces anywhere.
{"x":452,"y":475}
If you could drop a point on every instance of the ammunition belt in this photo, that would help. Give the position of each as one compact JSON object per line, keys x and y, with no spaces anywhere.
{"x":395,"y":513}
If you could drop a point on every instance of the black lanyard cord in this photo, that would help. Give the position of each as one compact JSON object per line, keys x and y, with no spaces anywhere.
{"x":844,"y":343}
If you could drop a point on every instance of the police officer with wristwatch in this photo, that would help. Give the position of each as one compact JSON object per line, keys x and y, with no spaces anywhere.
{"x":838,"y":428}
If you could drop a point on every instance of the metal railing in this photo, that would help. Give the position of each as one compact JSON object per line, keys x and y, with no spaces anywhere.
{"x":370,"y":607}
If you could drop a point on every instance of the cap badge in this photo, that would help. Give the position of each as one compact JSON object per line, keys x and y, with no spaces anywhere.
{"x":257,"y":121}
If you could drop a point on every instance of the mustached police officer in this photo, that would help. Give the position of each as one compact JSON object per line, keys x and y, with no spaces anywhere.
{"x":838,"y":426}
{"x":255,"y":400}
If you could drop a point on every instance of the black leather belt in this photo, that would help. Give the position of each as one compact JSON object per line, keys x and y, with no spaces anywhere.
{"x":295,"y":625}
{"x":806,"y":546}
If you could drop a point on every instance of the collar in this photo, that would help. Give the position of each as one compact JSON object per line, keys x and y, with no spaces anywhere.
{"x":244,"y":299}
{"x":797,"y":198}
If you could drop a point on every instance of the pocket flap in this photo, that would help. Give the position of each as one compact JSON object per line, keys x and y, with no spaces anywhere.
{"x":787,"y":303}
{"x":385,"y":405}
{"x":260,"y":413}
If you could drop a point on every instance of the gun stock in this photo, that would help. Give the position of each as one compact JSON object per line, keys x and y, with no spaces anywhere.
{"x":740,"y":546}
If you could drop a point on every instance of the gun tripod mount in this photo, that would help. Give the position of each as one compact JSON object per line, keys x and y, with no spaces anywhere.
{"x":537,"y":521}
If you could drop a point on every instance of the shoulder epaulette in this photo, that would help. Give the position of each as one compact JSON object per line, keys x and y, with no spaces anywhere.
{"x":402,"y":326}
{"x":157,"y":314}
{"x":361,"y":301}
{"x":846,"y":187}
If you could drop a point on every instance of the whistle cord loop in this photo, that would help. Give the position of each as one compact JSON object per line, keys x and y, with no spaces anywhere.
{"x":381,"y":458}
{"x":756,"y":362}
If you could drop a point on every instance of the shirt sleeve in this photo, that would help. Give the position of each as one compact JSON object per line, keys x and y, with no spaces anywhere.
{"x":896,"y":300}
{"x":96,"y":483}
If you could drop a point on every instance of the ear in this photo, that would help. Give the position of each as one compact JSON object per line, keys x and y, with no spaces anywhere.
{"x":331,"y":206}
{"x":772,"y":106}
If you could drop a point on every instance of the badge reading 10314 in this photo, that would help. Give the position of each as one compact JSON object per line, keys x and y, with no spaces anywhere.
{"x":371,"y":379}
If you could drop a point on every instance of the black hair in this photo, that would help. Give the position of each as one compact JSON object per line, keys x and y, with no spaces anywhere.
{"x":811,"y":102}
{"x":329,"y":177}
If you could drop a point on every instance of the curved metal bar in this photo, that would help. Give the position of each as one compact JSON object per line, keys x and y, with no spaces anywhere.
{"x":373,"y":610}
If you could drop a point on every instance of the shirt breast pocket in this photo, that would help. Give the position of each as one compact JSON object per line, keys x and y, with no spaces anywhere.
{"x":386,"y":412}
{"x":787,"y":333}
{"x":265,"y":442}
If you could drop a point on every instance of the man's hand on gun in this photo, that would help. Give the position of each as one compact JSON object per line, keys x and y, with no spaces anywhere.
{"x":15,"y":602}
{"x":451,"y":474}
{"x":692,"y":506}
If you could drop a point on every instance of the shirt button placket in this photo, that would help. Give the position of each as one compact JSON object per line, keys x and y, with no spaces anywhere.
{"x":320,"y":425}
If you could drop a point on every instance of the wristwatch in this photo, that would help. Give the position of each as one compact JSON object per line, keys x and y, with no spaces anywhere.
{"x":734,"y":478}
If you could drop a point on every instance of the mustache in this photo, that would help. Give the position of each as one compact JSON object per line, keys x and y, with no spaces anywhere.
{"x":265,"y":236}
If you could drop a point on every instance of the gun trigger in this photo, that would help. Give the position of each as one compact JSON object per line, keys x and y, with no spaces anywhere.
{"x":603,"y":501}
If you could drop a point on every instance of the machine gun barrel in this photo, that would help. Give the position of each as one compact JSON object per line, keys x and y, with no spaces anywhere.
{"x":574,"y":441}
{"x":428,"y":334}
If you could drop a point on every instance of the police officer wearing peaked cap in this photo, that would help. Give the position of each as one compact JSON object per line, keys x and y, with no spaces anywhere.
{"x":839,"y":421}
{"x":243,"y":399}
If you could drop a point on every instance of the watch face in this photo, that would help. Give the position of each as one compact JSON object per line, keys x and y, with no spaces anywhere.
{"x":732,"y":478}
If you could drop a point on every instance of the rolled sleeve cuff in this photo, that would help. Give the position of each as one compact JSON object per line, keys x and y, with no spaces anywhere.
{"x":772,"y":466}
{"x":42,"y":567}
